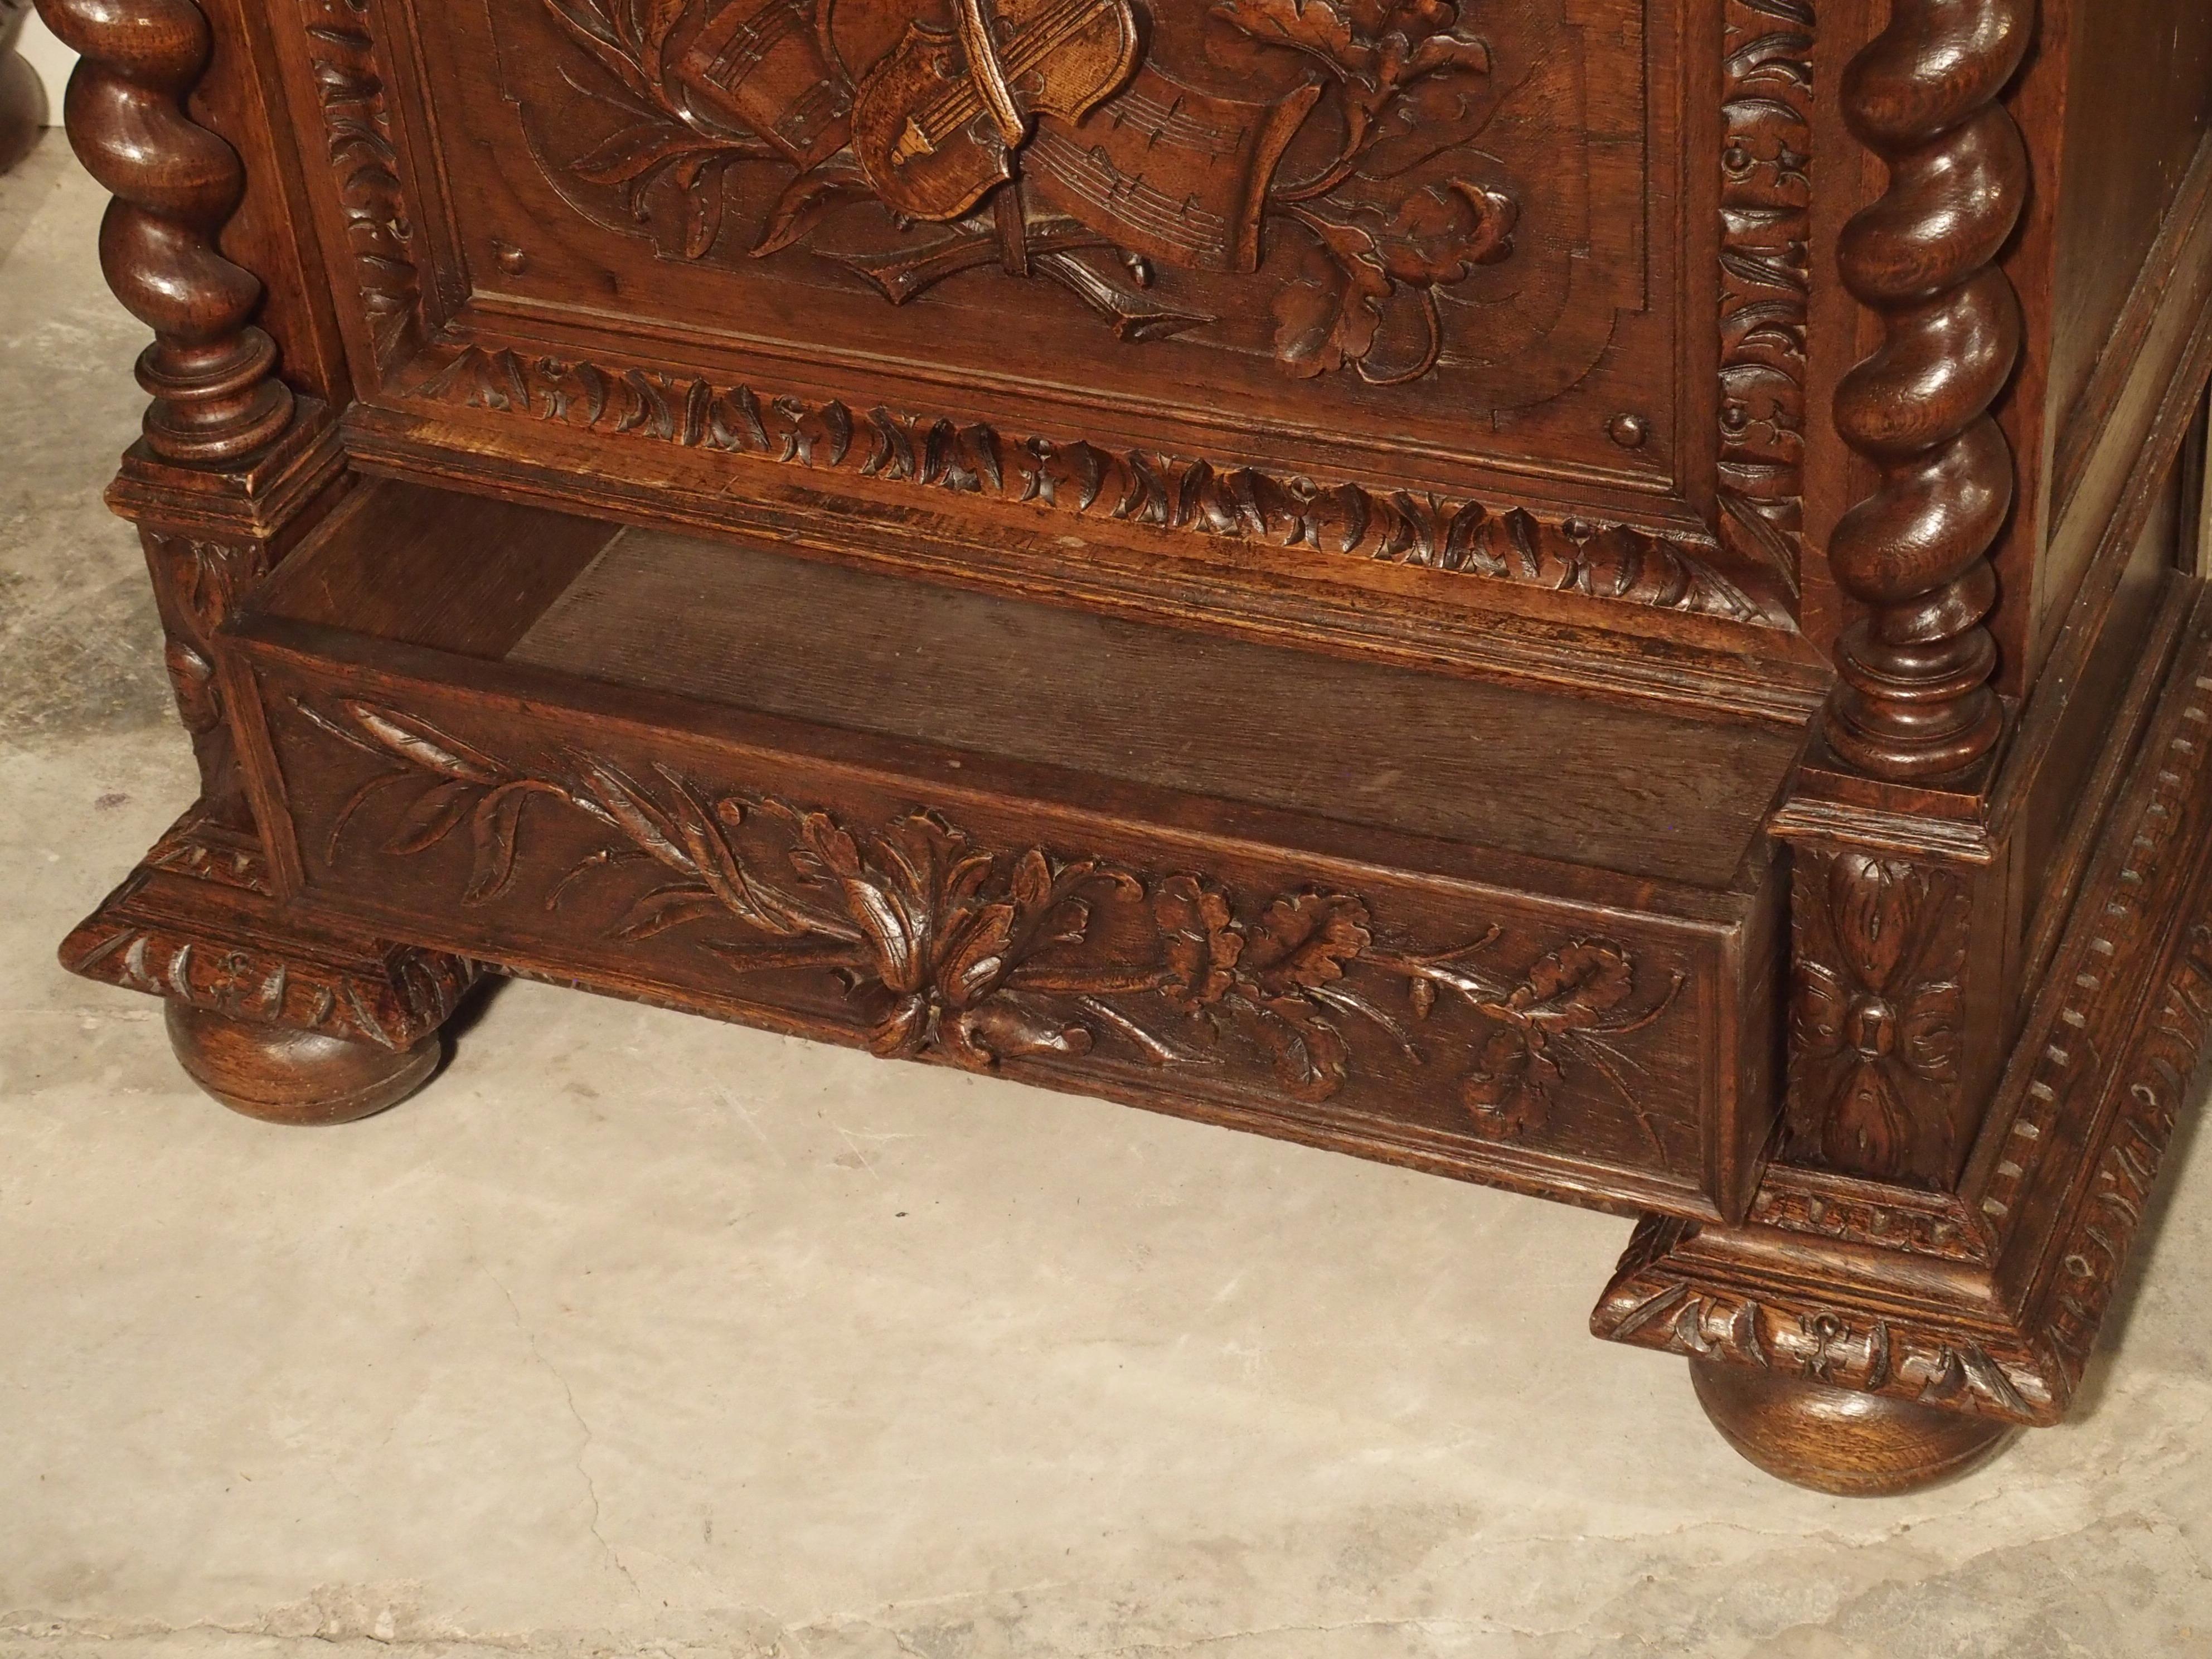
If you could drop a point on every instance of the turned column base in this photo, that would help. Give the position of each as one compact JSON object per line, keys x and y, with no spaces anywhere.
{"x":281,"y":1075}
{"x":1840,"y":1440}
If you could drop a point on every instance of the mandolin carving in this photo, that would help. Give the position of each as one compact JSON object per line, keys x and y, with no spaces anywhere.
{"x":936,"y":124}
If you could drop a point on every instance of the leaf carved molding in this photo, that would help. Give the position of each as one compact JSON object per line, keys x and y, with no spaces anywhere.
{"x":1560,"y":554}
{"x":1766,"y":199}
{"x":352,"y":99}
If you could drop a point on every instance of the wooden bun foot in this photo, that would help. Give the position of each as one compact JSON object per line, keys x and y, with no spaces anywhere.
{"x":281,"y":1075}
{"x":1838,"y":1440}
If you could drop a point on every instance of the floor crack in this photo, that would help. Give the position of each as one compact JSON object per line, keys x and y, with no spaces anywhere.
{"x":569,"y":1394}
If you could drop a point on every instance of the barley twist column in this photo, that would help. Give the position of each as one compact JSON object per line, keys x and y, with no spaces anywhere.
{"x":210,"y":373}
{"x":1915,"y":701}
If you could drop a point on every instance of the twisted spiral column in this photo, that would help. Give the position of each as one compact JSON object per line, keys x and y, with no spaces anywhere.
{"x":1915,"y":701}
{"x":210,"y":373}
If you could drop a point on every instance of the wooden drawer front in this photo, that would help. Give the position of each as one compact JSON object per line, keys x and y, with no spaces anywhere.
{"x":1423,"y":283}
{"x":793,"y":877}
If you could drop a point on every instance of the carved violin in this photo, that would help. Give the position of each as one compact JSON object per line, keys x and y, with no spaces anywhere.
{"x":937,"y":122}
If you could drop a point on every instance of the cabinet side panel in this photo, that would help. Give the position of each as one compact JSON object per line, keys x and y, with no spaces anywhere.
{"x":2140,"y":103}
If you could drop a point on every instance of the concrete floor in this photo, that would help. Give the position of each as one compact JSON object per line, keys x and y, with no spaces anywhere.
{"x":637,"y":1334}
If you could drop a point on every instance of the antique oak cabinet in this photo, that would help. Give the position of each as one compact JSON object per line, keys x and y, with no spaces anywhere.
{"x":1599,"y":596}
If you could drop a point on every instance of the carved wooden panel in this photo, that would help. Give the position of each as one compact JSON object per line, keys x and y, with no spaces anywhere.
{"x":1543,"y":1043}
{"x":1412,"y":264}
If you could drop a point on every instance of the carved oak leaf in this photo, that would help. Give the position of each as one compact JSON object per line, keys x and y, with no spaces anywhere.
{"x":1328,"y":317}
{"x":1201,"y":943}
{"x":1305,"y":941}
{"x":1311,"y":1059}
{"x":1313,"y":26}
{"x":1573,"y":987}
{"x":1010,"y":1028}
{"x":1506,"y":1093}
{"x":1439,"y":234}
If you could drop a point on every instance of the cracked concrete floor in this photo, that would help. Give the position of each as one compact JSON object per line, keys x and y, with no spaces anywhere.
{"x":638,"y":1335}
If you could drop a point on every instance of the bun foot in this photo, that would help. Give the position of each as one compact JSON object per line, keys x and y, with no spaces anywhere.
{"x":281,"y":1075}
{"x":1838,"y":1440}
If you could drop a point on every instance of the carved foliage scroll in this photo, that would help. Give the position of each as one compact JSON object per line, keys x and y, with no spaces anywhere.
{"x":940,"y":945}
{"x":1765,"y":277}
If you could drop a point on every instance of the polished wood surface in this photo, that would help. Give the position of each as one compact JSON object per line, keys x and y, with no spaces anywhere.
{"x":1604,"y":597}
{"x":1838,"y":1440}
{"x":301,"y":1079}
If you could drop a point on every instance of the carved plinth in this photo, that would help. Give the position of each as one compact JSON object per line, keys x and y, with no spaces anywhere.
{"x":279,"y":1018}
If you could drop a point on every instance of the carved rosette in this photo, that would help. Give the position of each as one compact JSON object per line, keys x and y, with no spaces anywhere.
{"x":210,"y":373}
{"x":1876,"y":1016}
{"x":1916,"y":701}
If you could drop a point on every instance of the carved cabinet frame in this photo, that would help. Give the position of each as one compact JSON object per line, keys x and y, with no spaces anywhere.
{"x":1989,"y":927}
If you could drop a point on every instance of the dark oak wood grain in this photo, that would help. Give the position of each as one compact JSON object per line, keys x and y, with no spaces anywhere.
{"x":300,"y":1079}
{"x":1605,"y":598}
{"x":1838,"y":1440}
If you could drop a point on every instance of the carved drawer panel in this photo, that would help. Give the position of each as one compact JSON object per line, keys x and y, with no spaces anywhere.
{"x":1412,"y":280}
{"x":522,"y":755}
